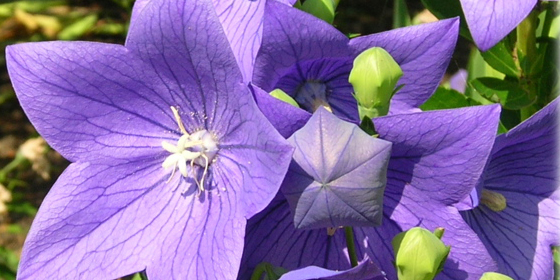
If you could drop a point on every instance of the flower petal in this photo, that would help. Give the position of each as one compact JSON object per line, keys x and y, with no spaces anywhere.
{"x":242,"y":23}
{"x":523,"y":169}
{"x":337,"y":176}
{"x":440,"y":152}
{"x":271,"y":237}
{"x":423,"y":52}
{"x":99,"y":222}
{"x":204,"y":237}
{"x":468,"y":258}
{"x":185,"y":43}
{"x":490,"y":21}
{"x":366,"y":270}
{"x":285,"y":44}
{"x":286,"y":118}
{"x":89,"y":101}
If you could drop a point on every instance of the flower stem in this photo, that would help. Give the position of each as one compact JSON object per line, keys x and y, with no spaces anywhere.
{"x":349,"y":233}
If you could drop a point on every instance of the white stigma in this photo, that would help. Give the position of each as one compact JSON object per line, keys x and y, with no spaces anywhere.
{"x":198,"y":148}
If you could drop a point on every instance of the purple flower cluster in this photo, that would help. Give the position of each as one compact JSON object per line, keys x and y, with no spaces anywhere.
{"x":183,"y":166}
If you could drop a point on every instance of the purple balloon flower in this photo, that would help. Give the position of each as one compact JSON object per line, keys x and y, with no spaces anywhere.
{"x":337,"y":176}
{"x":436,"y":160}
{"x":310,"y":60}
{"x":491,"y":20}
{"x":170,"y":154}
{"x":518,"y":220}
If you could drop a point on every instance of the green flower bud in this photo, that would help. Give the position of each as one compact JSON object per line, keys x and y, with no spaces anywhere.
{"x":280,"y":94}
{"x":323,"y":9}
{"x":374,"y":77}
{"x":419,"y":254}
{"x":494,"y":276}
{"x":493,"y":200}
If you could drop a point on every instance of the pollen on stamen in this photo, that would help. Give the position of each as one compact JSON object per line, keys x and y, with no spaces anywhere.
{"x":198,"y":148}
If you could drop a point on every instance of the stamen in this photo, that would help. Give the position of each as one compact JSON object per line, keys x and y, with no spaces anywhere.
{"x":178,"y":119}
{"x":493,"y":200}
{"x":197,"y":148}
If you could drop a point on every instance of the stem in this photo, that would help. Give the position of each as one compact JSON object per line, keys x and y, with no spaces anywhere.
{"x":259,"y":270}
{"x":349,"y":233}
{"x":527,"y":39}
{"x":11,"y":166}
{"x":549,"y":16}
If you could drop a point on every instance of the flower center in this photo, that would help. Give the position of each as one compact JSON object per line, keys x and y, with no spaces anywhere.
{"x":198,"y":148}
{"x":493,"y":200}
{"x":311,"y":95}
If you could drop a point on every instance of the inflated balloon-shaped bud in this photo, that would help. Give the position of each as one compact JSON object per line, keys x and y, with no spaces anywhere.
{"x":494,"y":276}
{"x":323,"y":9}
{"x":280,"y":94}
{"x":374,"y":77}
{"x":419,"y":254}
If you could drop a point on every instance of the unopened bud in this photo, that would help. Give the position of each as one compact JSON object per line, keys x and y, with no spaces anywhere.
{"x":374,"y":77}
{"x":419,"y":254}
{"x":323,"y":9}
{"x":280,"y":94}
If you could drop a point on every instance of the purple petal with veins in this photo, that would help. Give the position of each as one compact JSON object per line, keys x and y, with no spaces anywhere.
{"x":524,"y":170}
{"x":436,"y":160}
{"x":120,"y":112}
{"x":311,"y":60}
{"x":337,"y":176}
{"x":491,"y":20}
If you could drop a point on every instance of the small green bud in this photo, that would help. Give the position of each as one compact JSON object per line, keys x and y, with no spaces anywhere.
{"x":323,"y":9}
{"x":280,"y":94}
{"x":494,"y":276}
{"x":419,"y":254}
{"x":374,"y":77}
{"x":493,"y":200}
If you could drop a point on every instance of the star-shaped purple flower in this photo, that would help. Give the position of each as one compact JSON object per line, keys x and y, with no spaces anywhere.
{"x":170,"y":154}
{"x":310,"y":60}
{"x":522,"y":176}
{"x":436,"y":160}
{"x":491,"y":20}
{"x":337,"y":176}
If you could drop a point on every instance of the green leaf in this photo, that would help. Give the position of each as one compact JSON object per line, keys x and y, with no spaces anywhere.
{"x":401,"y":17}
{"x":507,"y":93}
{"x":500,"y":58}
{"x":448,"y":9}
{"x":445,"y":98}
